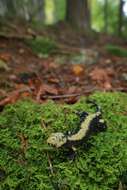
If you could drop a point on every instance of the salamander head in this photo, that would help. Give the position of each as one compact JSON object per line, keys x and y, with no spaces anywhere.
{"x":98,"y":123}
{"x":57,"y":139}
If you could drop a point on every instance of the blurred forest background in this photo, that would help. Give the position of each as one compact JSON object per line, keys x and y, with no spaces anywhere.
{"x":71,"y":47}
{"x":101,"y":15}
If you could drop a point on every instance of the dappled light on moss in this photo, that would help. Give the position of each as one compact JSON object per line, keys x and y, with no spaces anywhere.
{"x":24,"y":162}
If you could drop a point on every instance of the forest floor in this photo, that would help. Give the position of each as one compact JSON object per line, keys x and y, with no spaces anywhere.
{"x":61,"y":64}
{"x":79,"y":66}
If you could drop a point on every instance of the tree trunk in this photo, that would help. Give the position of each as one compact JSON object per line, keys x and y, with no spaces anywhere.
{"x":106,"y":16}
{"x":78,"y":13}
{"x":11,"y":11}
{"x":41,"y":9}
{"x":120,"y":24}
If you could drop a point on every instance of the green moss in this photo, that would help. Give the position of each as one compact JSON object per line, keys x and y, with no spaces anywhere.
{"x":116,"y":50}
{"x":24,"y":162}
{"x":42,"y":46}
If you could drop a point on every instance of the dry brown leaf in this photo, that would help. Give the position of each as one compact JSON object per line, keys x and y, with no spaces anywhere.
{"x":53,"y":80}
{"x":77,"y":69}
{"x":50,"y":89}
{"x":110,"y":72}
{"x":102,"y":77}
{"x":25,"y":94}
{"x":107,"y":85}
{"x":72,"y":90}
{"x":5,"y":57}
{"x":13,"y":96}
{"x":11,"y":99}
{"x":21,"y":51}
{"x":53,"y":65}
{"x":45,"y":88}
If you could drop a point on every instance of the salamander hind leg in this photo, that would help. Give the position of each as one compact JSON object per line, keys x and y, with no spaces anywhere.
{"x":71,"y":154}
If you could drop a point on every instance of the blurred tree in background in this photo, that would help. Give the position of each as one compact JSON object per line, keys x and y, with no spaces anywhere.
{"x":101,"y":15}
{"x":78,"y":13}
{"x":121,"y":15}
{"x":105,"y":15}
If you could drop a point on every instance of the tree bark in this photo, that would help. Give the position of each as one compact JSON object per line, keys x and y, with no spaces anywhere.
{"x":120,"y":23}
{"x":78,"y":13}
{"x":41,"y":9}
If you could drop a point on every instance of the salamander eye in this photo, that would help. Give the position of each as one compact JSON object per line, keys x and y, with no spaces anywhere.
{"x":53,"y":138}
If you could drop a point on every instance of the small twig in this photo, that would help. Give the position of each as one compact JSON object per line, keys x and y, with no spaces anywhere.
{"x":69,"y":95}
{"x":50,"y":164}
{"x":43,"y":124}
{"x":120,"y":89}
{"x":61,"y":96}
{"x":24,"y":142}
{"x":69,"y":49}
{"x":15,"y":36}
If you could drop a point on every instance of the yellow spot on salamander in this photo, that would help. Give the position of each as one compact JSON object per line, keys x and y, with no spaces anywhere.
{"x":84,"y":128}
{"x":57,"y":139}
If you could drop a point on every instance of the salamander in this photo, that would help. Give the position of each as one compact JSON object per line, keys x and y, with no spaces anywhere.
{"x":90,"y":123}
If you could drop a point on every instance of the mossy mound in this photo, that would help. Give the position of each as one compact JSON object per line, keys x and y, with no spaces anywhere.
{"x":42,"y":46}
{"x":116,"y":50}
{"x":24,"y":157}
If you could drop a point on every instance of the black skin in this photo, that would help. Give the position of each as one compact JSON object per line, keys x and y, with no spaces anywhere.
{"x":82,"y":115}
{"x":93,"y":130}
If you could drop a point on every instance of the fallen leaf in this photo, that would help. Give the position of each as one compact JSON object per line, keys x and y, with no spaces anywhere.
{"x":21,"y":51}
{"x":5,"y":57}
{"x":53,"y":65}
{"x":71,"y":100}
{"x":50,"y":89}
{"x":45,"y":88}
{"x":110,"y":72}
{"x":72,"y":90}
{"x":53,"y":80}
{"x":13,"y":96}
{"x":107,"y":85}
{"x":102,"y":77}
{"x":77,"y":69}
{"x":25,"y":94}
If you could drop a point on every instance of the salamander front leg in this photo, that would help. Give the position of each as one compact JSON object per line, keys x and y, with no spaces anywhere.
{"x":71,"y":153}
{"x":82,"y":115}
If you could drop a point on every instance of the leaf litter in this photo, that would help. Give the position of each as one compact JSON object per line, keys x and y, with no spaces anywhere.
{"x":45,"y":78}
